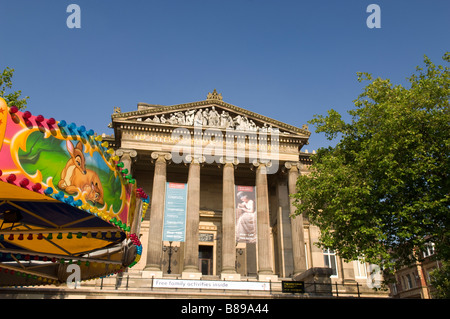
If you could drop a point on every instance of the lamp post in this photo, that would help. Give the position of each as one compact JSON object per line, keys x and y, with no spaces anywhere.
{"x":170,"y":252}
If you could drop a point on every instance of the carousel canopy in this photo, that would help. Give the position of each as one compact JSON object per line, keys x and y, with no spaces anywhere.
{"x":65,"y":198}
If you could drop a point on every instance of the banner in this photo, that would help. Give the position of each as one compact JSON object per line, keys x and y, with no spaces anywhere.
{"x":245,"y":199}
{"x":175,"y":212}
{"x":211,"y":284}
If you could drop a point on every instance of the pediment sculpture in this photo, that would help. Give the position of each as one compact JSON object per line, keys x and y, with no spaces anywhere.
{"x":211,"y":117}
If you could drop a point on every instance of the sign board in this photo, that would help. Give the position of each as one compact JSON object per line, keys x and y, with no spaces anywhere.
{"x":293,"y":287}
{"x":205,"y":237}
{"x":175,"y":212}
{"x":211,"y":284}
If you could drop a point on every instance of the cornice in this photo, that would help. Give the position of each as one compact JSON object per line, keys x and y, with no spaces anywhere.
{"x":142,"y":127}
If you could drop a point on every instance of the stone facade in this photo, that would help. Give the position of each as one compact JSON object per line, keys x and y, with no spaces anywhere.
{"x":212,"y":146}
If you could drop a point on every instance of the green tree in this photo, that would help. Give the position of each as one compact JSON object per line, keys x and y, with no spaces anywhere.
{"x":11,"y":98}
{"x":440,"y":280}
{"x":383,"y":191}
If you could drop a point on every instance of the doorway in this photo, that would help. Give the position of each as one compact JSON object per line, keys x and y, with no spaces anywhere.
{"x":205,"y":259}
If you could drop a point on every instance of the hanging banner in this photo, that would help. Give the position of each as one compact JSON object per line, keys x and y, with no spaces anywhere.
{"x":245,"y":214}
{"x":175,"y":212}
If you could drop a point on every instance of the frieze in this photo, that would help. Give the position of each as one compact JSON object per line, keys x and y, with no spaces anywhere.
{"x":210,"y":117}
{"x":183,"y":108}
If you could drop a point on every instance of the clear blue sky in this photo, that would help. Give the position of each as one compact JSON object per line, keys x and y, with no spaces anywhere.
{"x":283,"y":59}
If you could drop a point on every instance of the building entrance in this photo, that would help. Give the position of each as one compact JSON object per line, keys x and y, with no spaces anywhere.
{"x":205,"y":259}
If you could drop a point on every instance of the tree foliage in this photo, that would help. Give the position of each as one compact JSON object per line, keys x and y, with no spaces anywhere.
{"x":383,"y":191}
{"x":440,"y":280}
{"x":11,"y":98}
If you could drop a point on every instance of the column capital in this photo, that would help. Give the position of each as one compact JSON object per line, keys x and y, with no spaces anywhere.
{"x":265,"y":163}
{"x":163,"y":155}
{"x":293,"y":165}
{"x":123,"y":151}
{"x":195,"y":158}
{"x":224,"y":160}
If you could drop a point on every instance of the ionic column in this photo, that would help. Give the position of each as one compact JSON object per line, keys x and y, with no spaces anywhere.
{"x":191,"y":270}
{"x":155,"y":243}
{"x":298,"y":239}
{"x":228,"y":222}
{"x":265,"y":271}
{"x":126,"y":157}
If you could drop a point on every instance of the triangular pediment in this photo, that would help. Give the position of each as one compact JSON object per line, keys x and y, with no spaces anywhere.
{"x":212,"y":112}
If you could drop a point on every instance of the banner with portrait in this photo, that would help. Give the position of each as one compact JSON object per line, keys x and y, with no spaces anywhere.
{"x":245,"y":209}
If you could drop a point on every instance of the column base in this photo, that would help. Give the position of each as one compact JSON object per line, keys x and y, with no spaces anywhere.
{"x":191,"y":275}
{"x":267,"y":277}
{"x":230,"y":276}
{"x":148,"y":273}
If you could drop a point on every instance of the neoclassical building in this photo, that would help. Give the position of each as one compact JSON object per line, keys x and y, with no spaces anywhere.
{"x":219,"y":179}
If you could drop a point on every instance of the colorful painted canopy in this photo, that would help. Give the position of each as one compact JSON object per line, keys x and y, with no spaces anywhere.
{"x":64,"y":199}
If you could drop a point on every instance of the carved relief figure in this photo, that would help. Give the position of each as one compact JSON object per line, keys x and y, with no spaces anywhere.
{"x":205,"y":116}
{"x":198,"y":118}
{"x":214,"y":118}
{"x":190,"y":117}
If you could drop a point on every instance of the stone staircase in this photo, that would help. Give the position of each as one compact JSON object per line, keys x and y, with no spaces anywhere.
{"x":131,"y":285}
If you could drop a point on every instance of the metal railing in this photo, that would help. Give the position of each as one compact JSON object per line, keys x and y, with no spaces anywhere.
{"x":334,"y":289}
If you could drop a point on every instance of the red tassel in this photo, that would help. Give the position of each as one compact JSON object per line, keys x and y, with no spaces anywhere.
{"x":11,"y":178}
{"x":26,"y":115}
{"x":24,"y":182}
{"x":13,"y":109}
